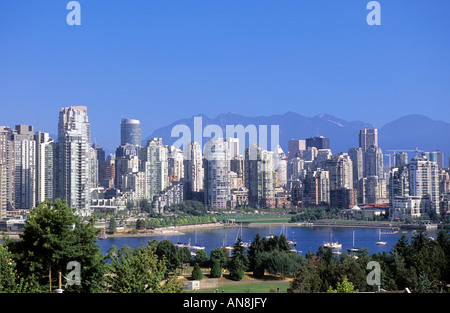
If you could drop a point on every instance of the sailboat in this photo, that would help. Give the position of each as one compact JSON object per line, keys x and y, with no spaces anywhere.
{"x":353,"y":249}
{"x":379,"y":242}
{"x":332,"y":245}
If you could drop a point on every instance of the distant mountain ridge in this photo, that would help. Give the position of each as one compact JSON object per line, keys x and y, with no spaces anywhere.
{"x":407,"y":132}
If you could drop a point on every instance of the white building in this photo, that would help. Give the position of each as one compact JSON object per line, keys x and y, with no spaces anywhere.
{"x":403,"y":207}
{"x":72,"y":158}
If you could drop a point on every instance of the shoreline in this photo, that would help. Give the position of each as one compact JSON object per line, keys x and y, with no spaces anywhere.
{"x":182,"y":229}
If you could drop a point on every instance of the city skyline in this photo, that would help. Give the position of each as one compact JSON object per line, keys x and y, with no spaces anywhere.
{"x":159,"y":62}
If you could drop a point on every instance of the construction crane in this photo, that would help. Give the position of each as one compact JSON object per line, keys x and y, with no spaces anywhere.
{"x":401,"y":150}
{"x":405,"y":150}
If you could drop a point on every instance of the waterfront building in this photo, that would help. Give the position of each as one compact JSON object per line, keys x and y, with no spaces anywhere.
{"x":24,"y":164}
{"x":260,"y":177}
{"x":154,"y":163}
{"x":216,"y":174}
{"x":193,"y":167}
{"x":316,"y":188}
{"x":373,"y":162}
{"x":130,"y":132}
{"x":72,"y":158}
{"x":44,"y":167}
{"x":340,"y":168}
{"x":404,"y":207}
{"x":6,"y":171}
{"x":424,"y":182}
{"x":175,"y":164}
{"x":356,"y":155}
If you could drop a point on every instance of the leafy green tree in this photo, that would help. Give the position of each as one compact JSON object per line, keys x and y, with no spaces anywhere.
{"x":54,"y":236}
{"x":343,"y":287}
{"x":197,"y":273}
{"x":184,"y":255}
{"x":10,"y":282}
{"x":201,"y":257}
{"x":307,"y":279}
{"x":166,"y":250}
{"x":218,"y":254}
{"x":138,"y":271}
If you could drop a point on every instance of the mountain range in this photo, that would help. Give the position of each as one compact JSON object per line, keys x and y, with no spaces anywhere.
{"x":410,"y":132}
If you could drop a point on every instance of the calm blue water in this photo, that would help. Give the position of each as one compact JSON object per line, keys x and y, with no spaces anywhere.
{"x":307,"y":239}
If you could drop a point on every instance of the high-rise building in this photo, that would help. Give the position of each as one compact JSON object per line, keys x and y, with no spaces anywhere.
{"x":175,"y":164}
{"x":319,"y":142}
{"x":340,"y":168}
{"x":193,"y":167}
{"x":400,"y":159}
{"x":6,"y":171}
{"x":44,"y":167}
{"x":356,"y":155}
{"x":373,"y":162}
{"x":260,"y":176}
{"x":154,"y":162}
{"x":72,"y":158}
{"x":217,"y":174}
{"x":424,"y":183}
{"x":368,"y":137}
{"x":294,"y":147}
{"x":316,"y":188}
{"x":130,"y":132}
{"x":24,"y":148}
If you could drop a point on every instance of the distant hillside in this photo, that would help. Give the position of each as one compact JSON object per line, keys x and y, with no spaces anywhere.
{"x":342,"y":134}
{"x":408,"y":132}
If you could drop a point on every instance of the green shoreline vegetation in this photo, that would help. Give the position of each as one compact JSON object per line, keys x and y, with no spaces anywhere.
{"x":55,"y":236}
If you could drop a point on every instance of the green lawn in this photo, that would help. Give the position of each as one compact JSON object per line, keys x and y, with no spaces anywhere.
{"x":248,"y":287}
{"x":258,"y":218}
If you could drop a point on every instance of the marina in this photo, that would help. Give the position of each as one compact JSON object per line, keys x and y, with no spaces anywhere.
{"x":301,"y":239}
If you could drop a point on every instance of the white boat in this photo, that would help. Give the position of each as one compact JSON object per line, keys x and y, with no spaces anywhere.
{"x":353,"y":249}
{"x":379,"y":242}
{"x":333,"y":245}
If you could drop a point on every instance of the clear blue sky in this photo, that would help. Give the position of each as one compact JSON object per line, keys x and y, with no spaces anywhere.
{"x":161,"y":60}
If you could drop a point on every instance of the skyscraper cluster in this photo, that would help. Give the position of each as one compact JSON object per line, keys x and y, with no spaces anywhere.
{"x":35,"y":167}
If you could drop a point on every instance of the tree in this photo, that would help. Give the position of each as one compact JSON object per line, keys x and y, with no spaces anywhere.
{"x":54,"y":236}
{"x":197,"y":272}
{"x":112,"y":225}
{"x":167,"y":250}
{"x":138,"y":271}
{"x":218,"y":254}
{"x":201,"y":257}
{"x":343,"y":287}
{"x":10,"y":282}
{"x":216,"y":269}
{"x":236,"y":269}
{"x":240,"y":253}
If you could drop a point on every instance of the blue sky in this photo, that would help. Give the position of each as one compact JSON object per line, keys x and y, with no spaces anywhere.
{"x":161,"y":60}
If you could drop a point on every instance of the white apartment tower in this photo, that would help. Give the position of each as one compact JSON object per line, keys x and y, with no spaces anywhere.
{"x":44,"y":167}
{"x":154,"y":162}
{"x":193,"y":166}
{"x":217,"y":174}
{"x":72,"y":158}
{"x":424,"y":182}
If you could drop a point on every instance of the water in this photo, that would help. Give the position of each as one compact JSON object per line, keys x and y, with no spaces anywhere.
{"x":307,"y":239}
